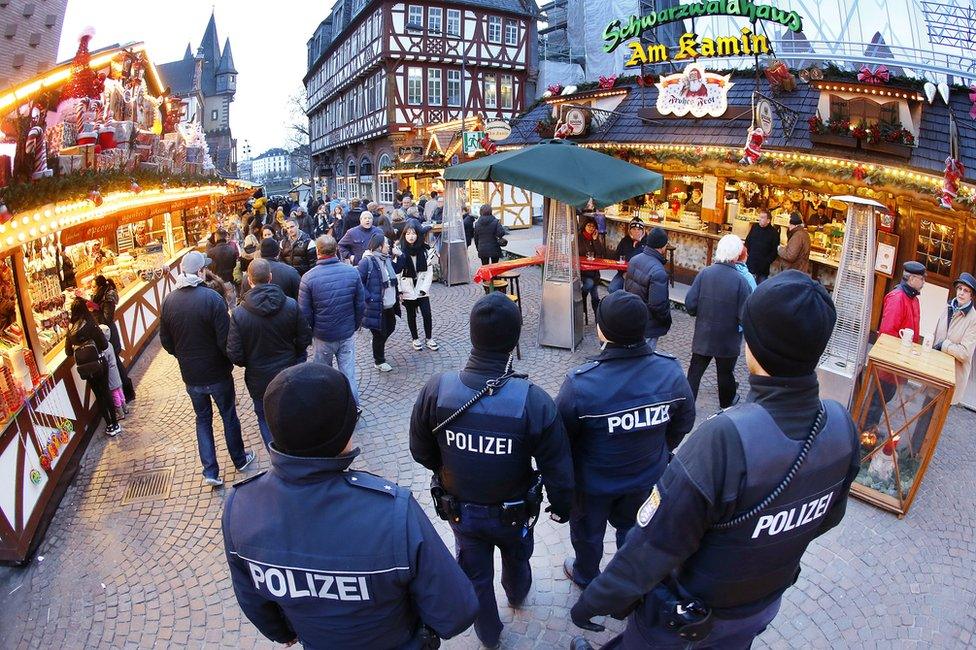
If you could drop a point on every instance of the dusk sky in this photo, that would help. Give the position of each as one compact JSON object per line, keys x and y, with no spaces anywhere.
{"x":267,"y":39}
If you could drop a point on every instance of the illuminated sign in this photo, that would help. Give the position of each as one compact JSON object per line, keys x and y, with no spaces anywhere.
{"x":693,"y":91}
{"x":691,"y":47}
{"x":617,"y":32}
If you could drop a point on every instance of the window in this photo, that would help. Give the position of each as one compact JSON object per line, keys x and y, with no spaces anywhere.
{"x":507,"y":91}
{"x":415,"y":86}
{"x":434,"y":87}
{"x":494,"y":29}
{"x":434,"y":18}
{"x":387,"y":182}
{"x":863,"y":110}
{"x":415,"y":17}
{"x":214,"y":114}
{"x":453,"y":22}
{"x":351,"y":167}
{"x":453,"y":87}
{"x":491,"y":93}
{"x":511,"y":32}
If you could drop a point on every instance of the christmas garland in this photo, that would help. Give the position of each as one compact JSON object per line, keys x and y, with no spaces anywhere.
{"x":77,"y":186}
{"x":875,"y":177}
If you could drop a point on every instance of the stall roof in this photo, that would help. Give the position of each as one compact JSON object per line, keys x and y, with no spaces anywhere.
{"x":626,"y":127}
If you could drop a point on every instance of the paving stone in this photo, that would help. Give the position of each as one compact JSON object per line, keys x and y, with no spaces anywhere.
{"x":907,"y":582}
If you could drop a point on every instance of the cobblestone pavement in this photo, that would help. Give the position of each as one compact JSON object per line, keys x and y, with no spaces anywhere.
{"x":153,"y":574}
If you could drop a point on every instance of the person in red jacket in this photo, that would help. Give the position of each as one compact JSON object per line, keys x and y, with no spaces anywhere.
{"x":899,"y":311}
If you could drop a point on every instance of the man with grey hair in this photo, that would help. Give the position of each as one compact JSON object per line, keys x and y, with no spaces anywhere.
{"x":353,"y":243}
{"x":716,"y":300}
{"x":332,"y":300}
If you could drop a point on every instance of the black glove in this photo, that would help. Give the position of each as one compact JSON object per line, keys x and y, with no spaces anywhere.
{"x":556,"y":517}
{"x":581,"y":618}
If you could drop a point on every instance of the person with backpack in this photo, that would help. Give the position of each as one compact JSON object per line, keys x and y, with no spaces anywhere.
{"x":85,"y":342}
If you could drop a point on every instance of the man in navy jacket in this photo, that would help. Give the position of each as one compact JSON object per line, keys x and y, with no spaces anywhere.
{"x":647,"y":278}
{"x":332,"y":557}
{"x":332,"y":299}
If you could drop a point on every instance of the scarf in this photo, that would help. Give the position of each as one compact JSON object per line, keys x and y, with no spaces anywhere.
{"x":909,"y":291}
{"x":954,"y":308}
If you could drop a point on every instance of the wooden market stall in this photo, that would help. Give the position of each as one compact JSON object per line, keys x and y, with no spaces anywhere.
{"x":101,"y":173}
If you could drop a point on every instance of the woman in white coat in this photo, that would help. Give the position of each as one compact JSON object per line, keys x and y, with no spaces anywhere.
{"x":955,"y":333}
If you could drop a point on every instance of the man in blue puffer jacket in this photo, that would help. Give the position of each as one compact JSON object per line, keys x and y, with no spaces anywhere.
{"x":647,"y":278}
{"x":333,"y":301}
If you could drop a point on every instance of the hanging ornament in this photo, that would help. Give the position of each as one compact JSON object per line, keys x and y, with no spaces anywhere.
{"x":891,"y":444}
{"x":95,"y":196}
{"x":645,"y":80}
{"x":606,"y":83}
{"x":5,"y":214}
{"x":930,"y":91}
{"x":754,"y":145}
{"x":35,"y":477}
{"x":954,"y":171}
{"x":869,"y":439}
{"x":779,"y":76}
{"x":876,"y":77}
{"x":134,"y":187}
{"x":46,"y":462}
{"x":488,"y":145}
{"x":36,"y":147}
{"x":859,"y":173}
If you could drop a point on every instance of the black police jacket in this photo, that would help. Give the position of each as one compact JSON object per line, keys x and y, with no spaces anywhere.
{"x":339,"y":558}
{"x":485,"y":455}
{"x":624,"y":412}
{"x":707,"y":483}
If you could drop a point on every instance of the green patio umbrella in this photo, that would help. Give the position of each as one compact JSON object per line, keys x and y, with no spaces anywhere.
{"x":563,"y":171}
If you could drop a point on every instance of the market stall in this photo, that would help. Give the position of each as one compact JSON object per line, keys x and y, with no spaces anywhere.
{"x":98,"y":177}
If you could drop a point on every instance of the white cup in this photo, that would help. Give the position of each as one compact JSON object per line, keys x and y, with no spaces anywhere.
{"x":907,"y":337}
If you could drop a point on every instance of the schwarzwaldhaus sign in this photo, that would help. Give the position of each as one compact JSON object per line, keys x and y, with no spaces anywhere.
{"x":617,"y":31}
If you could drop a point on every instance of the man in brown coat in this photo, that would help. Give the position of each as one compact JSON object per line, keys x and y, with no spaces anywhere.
{"x":796,"y":253}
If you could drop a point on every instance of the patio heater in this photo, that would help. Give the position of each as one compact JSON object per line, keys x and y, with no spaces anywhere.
{"x":847,"y":348}
{"x":453,"y":250}
{"x":561,"y":316}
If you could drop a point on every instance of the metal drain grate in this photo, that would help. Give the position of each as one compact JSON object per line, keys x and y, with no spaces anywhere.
{"x":148,"y":485}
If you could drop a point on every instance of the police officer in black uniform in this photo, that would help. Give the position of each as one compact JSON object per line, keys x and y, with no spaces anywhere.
{"x":624,"y":412}
{"x":720,"y":537}
{"x":478,"y":431}
{"x":327,"y":556}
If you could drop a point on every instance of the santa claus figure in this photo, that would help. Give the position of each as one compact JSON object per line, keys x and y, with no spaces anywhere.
{"x":950,"y":182}
{"x":754,"y":145}
{"x":694,"y":86}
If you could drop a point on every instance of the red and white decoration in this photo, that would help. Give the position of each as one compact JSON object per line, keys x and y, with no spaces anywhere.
{"x":754,"y":146}
{"x":954,"y":171}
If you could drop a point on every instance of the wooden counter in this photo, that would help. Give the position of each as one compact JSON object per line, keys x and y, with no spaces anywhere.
{"x":921,"y":362}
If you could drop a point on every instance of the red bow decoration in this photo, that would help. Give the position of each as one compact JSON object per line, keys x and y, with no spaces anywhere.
{"x":880,"y":75}
{"x":645,"y":80}
{"x":860,"y":173}
{"x":606,"y":83}
{"x":555,"y":89}
{"x":972,"y":98}
{"x":488,"y":145}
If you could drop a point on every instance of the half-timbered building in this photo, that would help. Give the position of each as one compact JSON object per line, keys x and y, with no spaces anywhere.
{"x":383,"y":75}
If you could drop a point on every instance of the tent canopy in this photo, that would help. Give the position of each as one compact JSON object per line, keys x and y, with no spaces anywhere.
{"x":563,"y":171}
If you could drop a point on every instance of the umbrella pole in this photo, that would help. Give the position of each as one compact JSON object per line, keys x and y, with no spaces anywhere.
{"x":561,"y":316}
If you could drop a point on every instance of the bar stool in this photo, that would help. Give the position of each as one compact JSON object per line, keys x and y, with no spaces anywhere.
{"x":670,"y":252}
{"x":513,"y":290}
{"x":495,"y":284}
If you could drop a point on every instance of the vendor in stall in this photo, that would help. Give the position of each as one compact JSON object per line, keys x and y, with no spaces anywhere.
{"x":591,"y":247}
{"x":101,"y":255}
{"x":629,"y":246}
{"x":694,"y":203}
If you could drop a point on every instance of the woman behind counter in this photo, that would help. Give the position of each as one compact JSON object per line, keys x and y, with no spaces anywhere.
{"x":629,"y":246}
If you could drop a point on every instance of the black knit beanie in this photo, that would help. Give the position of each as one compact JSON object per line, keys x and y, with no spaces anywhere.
{"x":495,"y":323}
{"x":622,"y":317}
{"x":310,"y":410}
{"x":657,"y":238}
{"x":269,"y":248}
{"x":787,"y":322}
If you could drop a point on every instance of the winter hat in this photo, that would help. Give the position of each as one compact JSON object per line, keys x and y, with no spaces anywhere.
{"x":310,"y":410}
{"x":796,"y":219}
{"x":787,"y":322}
{"x":270,"y":248}
{"x":636,"y":223}
{"x":966,"y":279}
{"x":622,"y":317}
{"x":495,"y":323}
{"x":658,"y":238}
{"x":194,"y":261}
{"x":914,"y":268}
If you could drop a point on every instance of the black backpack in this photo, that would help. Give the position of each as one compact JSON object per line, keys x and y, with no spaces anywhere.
{"x":89,"y":361}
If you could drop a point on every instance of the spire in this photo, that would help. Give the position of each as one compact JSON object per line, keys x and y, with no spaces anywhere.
{"x":226,"y":60}
{"x":210,"y":44}
{"x":189,"y":53}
